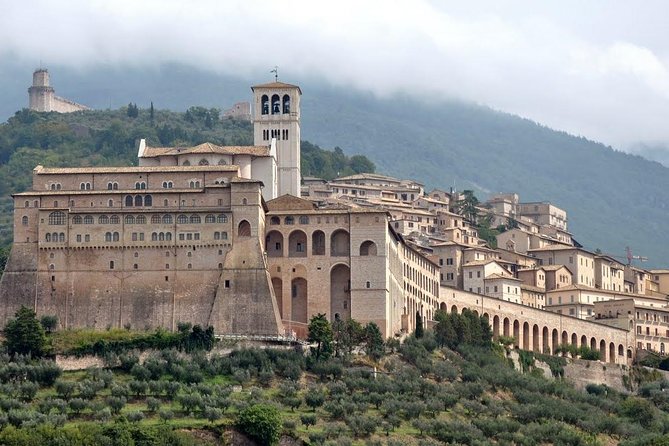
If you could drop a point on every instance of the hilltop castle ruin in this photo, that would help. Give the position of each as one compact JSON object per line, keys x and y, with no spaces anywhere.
{"x":42,"y":97}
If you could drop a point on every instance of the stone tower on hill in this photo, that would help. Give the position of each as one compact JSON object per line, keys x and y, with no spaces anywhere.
{"x":276,"y":115}
{"x":42,"y":98}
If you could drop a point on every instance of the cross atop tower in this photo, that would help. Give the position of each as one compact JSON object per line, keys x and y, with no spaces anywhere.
{"x":276,"y":73}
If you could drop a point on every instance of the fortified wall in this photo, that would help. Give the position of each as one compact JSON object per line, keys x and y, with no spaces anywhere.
{"x":42,"y":98}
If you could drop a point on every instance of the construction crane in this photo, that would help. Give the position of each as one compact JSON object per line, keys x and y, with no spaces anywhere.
{"x":628,"y":256}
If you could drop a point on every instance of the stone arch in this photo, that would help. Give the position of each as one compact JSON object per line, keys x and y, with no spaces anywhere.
{"x":574,"y":340}
{"x":584,"y":341}
{"x":368,"y":248}
{"x":318,"y":243}
{"x":443,"y":307}
{"x":340,"y":291}
{"x":297,"y":244}
{"x":593,"y":344}
{"x":555,"y":340}
{"x":274,"y":244}
{"x":298,"y":299}
{"x":516,"y":332}
{"x":565,"y":338}
{"x":495,"y":326}
{"x":277,"y":284}
{"x":505,"y":327}
{"x":286,"y":104}
{"x":340,"y":243}
{"x":621,"y":350}
{"x":602,"y":350}
{"x":545,"y":348}
{"x":276,"y":104}
{"x":264,"y":104}
{"x":535,"y":338}
{"x":244,"y":229}
{"x":526,"y":336}
{"x":475,"y":313}
{"x":612,"y":352}
{"x":454,"y":309}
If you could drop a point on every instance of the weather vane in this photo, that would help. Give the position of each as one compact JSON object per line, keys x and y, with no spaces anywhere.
{"x":276,"y":73}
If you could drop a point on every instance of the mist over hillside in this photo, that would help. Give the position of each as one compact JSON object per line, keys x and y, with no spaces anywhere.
{"x":613,"y":199}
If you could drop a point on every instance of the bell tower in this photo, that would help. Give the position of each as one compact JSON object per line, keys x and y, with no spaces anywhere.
{"x":276,"y":115}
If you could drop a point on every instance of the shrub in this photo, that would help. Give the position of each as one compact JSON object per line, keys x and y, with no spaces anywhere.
{"x":115,"y":404}
{"x":24,"y":335}
{"x":166,"y":414}
{"x":261,"y":422}
{"x":135,"y":416}
{"x":49,"y":323}
{"x":308,"y":419}
{"x":77,"y":405}
{"x":314,"y":397}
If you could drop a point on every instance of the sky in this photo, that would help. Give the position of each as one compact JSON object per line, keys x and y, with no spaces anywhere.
{"x":594,"y":68}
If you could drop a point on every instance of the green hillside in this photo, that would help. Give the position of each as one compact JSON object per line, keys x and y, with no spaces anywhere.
{"x":109,"y":138}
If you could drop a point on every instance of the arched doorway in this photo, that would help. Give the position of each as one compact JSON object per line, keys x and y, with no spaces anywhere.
{"x":584,"y":341}
{"x":368,"y":248}
{"x":535,"y":338}
{"x":602,"y":350}
{"x":297,"y":244}
{"x":340,"y":292}
{"x":495,"y":326}
{"x":516,"y":333}
{"x":340,"y":244}
{"x":612,"y":352}
{"x":555,"y":341}
{"x":274,"y":244}
{"x":545,"y":339}
{"x":526,"y":336}
{"x":506,"y":327}
{"x":244,"y":229}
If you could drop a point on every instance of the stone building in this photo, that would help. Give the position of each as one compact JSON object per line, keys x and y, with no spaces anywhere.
{"x":142,"y":246}
{"x":42,"y":98}
{"x":346,"y":262}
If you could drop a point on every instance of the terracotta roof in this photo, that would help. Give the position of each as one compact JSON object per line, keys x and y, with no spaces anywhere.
{"x":499,"y":276}
{"x":290,"y":202}
{"x":40,"y":170}
{"x":554,"y":267}
{"x":276,"y":85}
{"x":536,"y":289}
{"x":206,"y":148}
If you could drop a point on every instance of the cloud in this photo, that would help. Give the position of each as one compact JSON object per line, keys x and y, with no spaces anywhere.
{"x":597,"y":69}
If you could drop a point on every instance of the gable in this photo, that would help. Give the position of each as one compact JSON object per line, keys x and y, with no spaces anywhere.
{"x":290,"y":203}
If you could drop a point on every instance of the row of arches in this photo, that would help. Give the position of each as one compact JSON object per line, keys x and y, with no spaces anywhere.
{"x":279,"y":105}
{"x":295,"y":306}
{"x":297,"y":244}
{"x":55,"y":237}
{"x":542,"y":339}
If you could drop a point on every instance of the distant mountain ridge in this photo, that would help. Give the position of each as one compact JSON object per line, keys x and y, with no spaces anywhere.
{"x":613,"y":199}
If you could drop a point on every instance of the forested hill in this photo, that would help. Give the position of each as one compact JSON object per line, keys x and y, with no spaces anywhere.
{"x":613,"y":199}
{"x":109,"y":138}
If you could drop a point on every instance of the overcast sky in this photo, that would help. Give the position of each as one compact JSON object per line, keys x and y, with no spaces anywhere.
{"x":594,"y":68}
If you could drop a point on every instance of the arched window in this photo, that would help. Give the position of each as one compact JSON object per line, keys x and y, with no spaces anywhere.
{"x":245,"y":201}
{"x":286,"y":103}
{"x":168,"y":236}
{"x":110,"y":203}
{"x":116,"y":236}
{"x":76,"y":220}
{"x":167,"y":219}
{"x":224,"y":235}
{"x":191,"y":184}
{"x":244,"y":229}
{"x":88,"y":220}
{"x":58,"y":186}
{"x":186,"y":163}
{"x":217,"y":235}
{"x":47,"y":237}
{"x":165,"y":202}
{"x":222,"y":162}
{"x":210,"y":218}
{"x":82,"y":186}
{"x":53,"y":187}
{"x":155,"y":219}
{"x":24,"y":220}
{"x":54,"y":237}
{"x":140,"y":185}
{"x":55,"y":204}
{"x":109,"y":186}
{"x":103,"y":220}
{"x":304,"y":220}
{"x":138,"y":200}
{"x":108,"y":237}
{"x":129,"y":220}
{"x":115,"y":186}
{"x":128,"y":200}
{"x":275,"y":220}
{"x":154,"y":237}
{"x":264,"y":101}
{"x":195,"y":219}
{"x":182,"y":219}
{"x":368,"y":248}
{"x":164,"y":184}
{"x":161,"y":236}
{"x":203,"y":162}
{"x":114,"y":220}
{"x":276,"y":104}
{"x":26,"y":204}
{"x":140,"y":220}
{"x":57,"y":218}
{"x":148,"y":200}
{"x":222,"y":218}
{"x":290,"y":220}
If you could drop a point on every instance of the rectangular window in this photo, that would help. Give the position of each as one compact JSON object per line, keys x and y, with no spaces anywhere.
{"x":196,"y":236}
{"x":78,"y":237}
{"x":134,"y":236}
{"x":87,"y":238}
{"x":111,"y":264}
{"x":478,"y":274}
{"x":470,"y":274}
{"x":227,"y":284}
{"x":141,"y":236}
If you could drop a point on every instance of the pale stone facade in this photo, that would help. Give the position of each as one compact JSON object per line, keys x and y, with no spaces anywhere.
{"x":42,"y":98}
